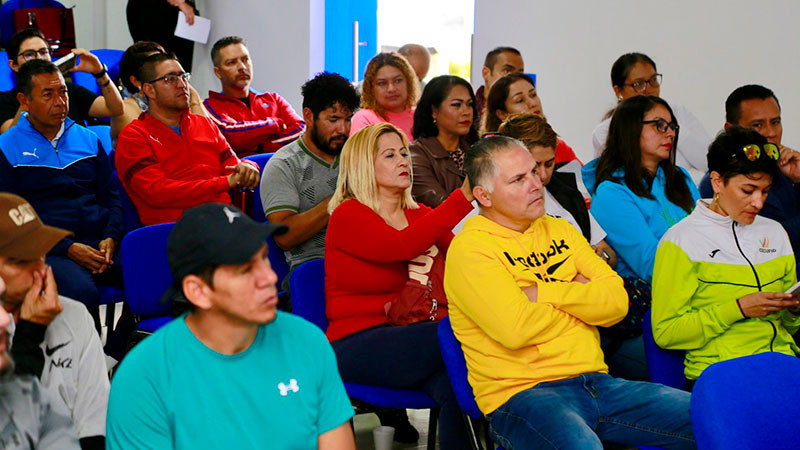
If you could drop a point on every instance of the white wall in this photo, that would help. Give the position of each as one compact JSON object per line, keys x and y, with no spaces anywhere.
{"x":285,"y":38}
{"x":705,"y":49}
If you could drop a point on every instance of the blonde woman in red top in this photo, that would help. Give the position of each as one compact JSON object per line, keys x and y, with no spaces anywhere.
{"x":375,"y":230}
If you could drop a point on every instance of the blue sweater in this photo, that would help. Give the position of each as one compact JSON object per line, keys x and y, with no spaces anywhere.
{"x":634,"y":224}
{"x":70,"y":186}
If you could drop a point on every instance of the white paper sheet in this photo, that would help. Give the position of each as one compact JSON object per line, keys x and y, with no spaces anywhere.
{"x":197,"y":32}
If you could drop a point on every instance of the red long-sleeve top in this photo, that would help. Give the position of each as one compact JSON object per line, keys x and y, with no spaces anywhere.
{"x":166,"y":173}
{"x":264,"y":126}
{"x":366,"y":260}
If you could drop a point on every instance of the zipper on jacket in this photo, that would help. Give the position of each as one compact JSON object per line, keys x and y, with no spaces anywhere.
{"x":758,"y":282}
{"x":735,"y":238}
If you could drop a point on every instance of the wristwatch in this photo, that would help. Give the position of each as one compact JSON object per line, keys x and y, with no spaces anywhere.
{"x":100,"y":74}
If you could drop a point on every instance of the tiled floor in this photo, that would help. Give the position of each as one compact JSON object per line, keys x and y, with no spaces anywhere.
{"x":364,"y":423}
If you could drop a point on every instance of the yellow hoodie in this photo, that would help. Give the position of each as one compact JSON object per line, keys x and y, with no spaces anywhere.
{"x":511,"y":344}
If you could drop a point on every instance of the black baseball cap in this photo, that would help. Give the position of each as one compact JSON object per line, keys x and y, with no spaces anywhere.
{"x":213,"y":234}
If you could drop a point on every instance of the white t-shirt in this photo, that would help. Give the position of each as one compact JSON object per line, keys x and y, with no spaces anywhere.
{"x":693,"y":142}
{"x":554,"y":209}
{"x":75,"y":367}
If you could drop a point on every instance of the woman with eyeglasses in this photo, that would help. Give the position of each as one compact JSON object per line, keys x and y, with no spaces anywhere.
{"x":635,"y":74}
{"x":514,"y":94}
{"x":388,"y":94}
{"x":444,"y":124}
{"x":721,"y":273}
{"x":638,"y":193}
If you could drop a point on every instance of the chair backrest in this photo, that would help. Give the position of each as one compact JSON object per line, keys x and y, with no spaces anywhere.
{"x":456,"y":368}
{"x":7,"y":14}
{"x":258,"y":208}
{"x":130,"y":216}
{"x":8,"y":80}
{"x":277,"y":259}
{"x":665,"y":366}
{"x":104,"y":133}
{"x":145,"y":270}
{"x":748,"y":403}
{"x":108,"y":56}
{"x":307,"y":286}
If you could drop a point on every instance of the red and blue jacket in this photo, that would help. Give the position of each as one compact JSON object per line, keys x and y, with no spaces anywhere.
{"x":266,"y":125}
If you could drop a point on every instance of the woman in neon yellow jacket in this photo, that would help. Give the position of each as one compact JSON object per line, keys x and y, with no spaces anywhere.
{"x":721,"y":273}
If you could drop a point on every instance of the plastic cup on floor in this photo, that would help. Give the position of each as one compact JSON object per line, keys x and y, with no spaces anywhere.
{"x":383,"y":437}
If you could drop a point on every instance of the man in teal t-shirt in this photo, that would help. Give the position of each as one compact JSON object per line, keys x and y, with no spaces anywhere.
{"x":233,"y":372}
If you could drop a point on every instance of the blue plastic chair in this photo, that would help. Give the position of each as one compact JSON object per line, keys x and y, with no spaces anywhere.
{"x":258,"y":207}
{"x":276,"y":257}
{"x":307,"y":286}
{"x":8,"y":79}
{"x":104,"y":133}
{"x":664,"y":366}
{"x":456,"y":365}
{"x":7,"y":14}
{"x":107,"y":56}
{"x":130,"y":217}
{"x":146,"y":273}
{"x":748,"y":403}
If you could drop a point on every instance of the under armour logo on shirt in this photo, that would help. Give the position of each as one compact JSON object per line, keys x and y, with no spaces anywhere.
{"x":231,"y":214}
{"x":291,"y":387}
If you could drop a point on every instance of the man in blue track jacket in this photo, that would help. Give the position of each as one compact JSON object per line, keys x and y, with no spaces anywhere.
{"x":64,"y":172}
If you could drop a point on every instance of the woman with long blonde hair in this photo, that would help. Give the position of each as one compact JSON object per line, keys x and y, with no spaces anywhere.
{"x":375,"y":234}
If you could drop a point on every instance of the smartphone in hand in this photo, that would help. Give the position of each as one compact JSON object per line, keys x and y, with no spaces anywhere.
{"x":65,"y":63}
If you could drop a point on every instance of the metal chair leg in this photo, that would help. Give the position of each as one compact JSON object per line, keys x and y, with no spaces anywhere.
{"x":432,"y":422}
{"x":489,"y":443}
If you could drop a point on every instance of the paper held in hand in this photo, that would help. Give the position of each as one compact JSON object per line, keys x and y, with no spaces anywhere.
{"x":197,"y":32}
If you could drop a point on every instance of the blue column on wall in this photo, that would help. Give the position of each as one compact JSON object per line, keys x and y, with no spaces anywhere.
{"x":339,"y":18}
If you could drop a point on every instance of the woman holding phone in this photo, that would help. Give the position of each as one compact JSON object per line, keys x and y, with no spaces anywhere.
{"x":721,"y":274}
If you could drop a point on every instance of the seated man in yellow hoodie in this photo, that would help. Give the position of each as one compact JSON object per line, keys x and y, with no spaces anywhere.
{"x":526,"y":294}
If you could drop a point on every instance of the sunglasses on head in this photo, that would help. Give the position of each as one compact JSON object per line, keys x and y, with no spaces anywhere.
{"x":753,"y":151}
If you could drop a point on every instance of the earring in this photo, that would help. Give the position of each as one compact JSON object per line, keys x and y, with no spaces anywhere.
{"x":715,"y":199}
{"x":434,"y":120}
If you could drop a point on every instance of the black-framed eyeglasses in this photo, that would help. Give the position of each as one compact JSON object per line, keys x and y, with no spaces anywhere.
{"x":28,"y":55}
{"x":662,"y":125}
{"x":753,"y":151}
{"x":172,"y":78}
{"x":641,"y":85}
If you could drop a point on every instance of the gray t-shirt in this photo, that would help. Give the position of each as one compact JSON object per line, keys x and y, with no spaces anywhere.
{"x":295,"y":179}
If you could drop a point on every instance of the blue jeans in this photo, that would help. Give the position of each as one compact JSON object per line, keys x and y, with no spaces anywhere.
{"x":579,"y":412}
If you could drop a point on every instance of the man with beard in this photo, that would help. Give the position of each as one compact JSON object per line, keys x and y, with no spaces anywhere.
{"x":300,"y":179}
{"x":170,"y":160}
{"x":252,"y":123}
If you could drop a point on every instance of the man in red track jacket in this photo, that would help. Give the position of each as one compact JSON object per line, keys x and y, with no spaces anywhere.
{"x":170,"y":160}
{"x":252,"y":123}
